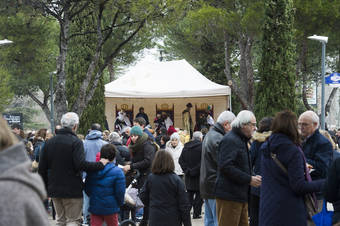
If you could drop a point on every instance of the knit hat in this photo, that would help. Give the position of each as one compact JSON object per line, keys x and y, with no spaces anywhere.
{"x":136,"y":130}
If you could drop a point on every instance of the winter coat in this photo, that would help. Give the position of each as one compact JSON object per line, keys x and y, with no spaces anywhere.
{"x":22,"y":192}
{"x":106,"y":189}
{"x":332,"y":189}
{"x":92,"y":145}
{"x":37,"y":147}
{"x":123,"y":154}
{"x":208,"y":173}
{"x":256,"y":156}
{"x":61,"y":164}
{"x":190,"y":162}
{"x":143,"y":153}
{"x":167,"y":200}
{"x":282,"y":195}
{"x":234,"y":169}
{"x":175,"y":153}
{"x":318,"y":151}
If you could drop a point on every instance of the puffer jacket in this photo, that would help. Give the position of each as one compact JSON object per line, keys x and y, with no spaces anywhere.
{"x":106,"y":189}
{"x":208,"y":171}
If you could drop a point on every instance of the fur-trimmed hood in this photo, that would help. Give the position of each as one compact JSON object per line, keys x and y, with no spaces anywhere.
{"x":261,"y":137}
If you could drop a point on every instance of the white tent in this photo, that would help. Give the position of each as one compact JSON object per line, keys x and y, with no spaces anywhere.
{"x":169,"y":79}
{"x":164,"y":86}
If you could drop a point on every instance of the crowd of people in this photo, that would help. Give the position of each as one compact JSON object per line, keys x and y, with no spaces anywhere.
{"x":244,"y":174}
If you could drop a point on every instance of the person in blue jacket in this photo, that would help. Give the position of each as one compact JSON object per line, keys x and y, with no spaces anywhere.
{"x":106,"y":189}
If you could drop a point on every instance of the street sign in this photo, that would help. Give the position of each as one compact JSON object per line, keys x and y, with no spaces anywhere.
{"x":333,"y":79}
{"x":13,"y":118}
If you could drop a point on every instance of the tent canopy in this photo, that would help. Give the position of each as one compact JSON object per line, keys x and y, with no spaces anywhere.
{"x":169,"y":79}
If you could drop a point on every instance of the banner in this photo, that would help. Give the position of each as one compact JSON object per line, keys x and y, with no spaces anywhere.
{"x":333,"y":79}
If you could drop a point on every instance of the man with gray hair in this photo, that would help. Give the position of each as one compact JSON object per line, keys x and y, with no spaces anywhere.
{"x":61,"y":164}
{"x":317,"y":149}
{"x":234,"y":172}
{"x":190,"y":162}
{"x":208,"y":171}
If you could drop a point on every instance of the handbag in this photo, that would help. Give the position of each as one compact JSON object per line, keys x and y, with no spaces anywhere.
{"x":324,"y":218}
{"x":309,"y":199}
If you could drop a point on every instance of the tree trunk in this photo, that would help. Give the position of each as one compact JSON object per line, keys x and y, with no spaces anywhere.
{"x":60,"y":100}
{"x":303,"y":60}
{"x":111,"y":69}
{"x":43,"y":104}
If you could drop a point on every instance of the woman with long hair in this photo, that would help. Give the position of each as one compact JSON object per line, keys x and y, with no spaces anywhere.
{"x":285,"y":176}
{"x":164,"y":193}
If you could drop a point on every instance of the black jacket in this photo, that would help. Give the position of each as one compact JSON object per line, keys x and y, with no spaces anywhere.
{"x":208,"y":173}
{"x":234,"y":168}
{"x":143,"y":153}
{"x":319,"y":153}
{"x":61,"y":164}
{"x":167,"y":200}
{"x":190,"y":161}
{"x":123,"y":154}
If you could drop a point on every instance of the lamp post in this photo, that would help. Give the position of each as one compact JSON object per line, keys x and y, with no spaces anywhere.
{"x":5,"y":42}
{"x":323,"y":41}
{"x":52,"y":101}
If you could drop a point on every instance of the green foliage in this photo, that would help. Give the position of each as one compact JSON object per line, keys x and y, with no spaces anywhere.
{"x":5,"y":92}
{"x":32,"y":56}
{"x":276,"y":89}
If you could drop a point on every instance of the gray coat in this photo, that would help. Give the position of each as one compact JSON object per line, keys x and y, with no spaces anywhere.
{"x":22,"y":192}
{"x":209,"y":161}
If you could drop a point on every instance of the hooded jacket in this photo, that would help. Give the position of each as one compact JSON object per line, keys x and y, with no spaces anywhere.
{"x":106,"y":189}
{"x":22,"y":192}
{"x":92,"y":145}
{"x":256,"y":156}
{"x":190,"y":161}
{"x":209,"y":161}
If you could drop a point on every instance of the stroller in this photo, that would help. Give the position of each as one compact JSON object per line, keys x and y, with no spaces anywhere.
{"x":132,"y":201}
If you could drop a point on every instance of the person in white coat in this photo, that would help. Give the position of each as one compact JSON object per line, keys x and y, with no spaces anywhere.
{"x":174,"y":146}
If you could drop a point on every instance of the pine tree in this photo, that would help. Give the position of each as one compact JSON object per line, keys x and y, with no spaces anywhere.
{"x":276,"y":89}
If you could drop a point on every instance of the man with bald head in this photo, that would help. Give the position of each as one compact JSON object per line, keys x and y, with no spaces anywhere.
{"x":317,"y":149}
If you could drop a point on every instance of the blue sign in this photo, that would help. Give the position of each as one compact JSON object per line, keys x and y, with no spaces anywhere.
{"x":333,"y":79}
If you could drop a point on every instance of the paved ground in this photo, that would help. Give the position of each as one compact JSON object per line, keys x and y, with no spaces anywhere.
{"x":195,"y":222}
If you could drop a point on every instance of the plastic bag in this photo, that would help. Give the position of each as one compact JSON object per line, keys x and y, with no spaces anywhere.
{"x":324,"y":218}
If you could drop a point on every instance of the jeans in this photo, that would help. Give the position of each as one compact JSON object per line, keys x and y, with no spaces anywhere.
{"x":210,"y":217}
{"x":86,"y":206}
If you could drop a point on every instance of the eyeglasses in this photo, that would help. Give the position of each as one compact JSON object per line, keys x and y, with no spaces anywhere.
{"x":303,"y":124}
{"x":251,"y":124}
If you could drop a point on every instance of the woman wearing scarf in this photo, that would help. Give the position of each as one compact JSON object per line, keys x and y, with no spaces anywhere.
{"x":142,"y":152}
{"x":174,"y":146}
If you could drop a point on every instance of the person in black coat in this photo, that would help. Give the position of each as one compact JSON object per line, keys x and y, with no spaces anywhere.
{"x":122,"y":152}
{"x":259,"y":138}
{"x":234,"y":175}
{"x":190,"y":162}
{"x":282,"y":193}
{"x":143,"y":152}
{"x":142,"y":114}
{"x":61,"y":164}
{"x":317,"y":149}
{"x":164,"y":193}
